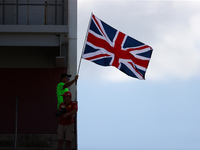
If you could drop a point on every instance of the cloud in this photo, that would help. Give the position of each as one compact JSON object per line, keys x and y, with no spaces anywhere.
{"x":171,"y":28}
{"x":177,"y":53}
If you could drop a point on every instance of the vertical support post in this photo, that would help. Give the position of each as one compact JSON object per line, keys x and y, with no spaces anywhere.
{"x":55,"y":12}
{"x":17,"y":12}
{"x":63,"y":10}
{"x":45,"y":12}
{"x":60,"y":45}
{"x":3,"y":12}
{"x":28,"y":12}
{"x":16,"y":111}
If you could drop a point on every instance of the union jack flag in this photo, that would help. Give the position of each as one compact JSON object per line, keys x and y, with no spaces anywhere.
{"x":107,"y":46}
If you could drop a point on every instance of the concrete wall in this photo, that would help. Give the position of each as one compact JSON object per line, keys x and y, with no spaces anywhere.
{"x":28,"y":57}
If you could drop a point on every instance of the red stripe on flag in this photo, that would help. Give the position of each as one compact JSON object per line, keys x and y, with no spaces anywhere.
{"x":97,"y":56}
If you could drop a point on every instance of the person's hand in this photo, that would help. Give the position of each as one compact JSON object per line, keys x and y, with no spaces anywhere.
{"x":76,"y":77}
{"x":66,"y":115}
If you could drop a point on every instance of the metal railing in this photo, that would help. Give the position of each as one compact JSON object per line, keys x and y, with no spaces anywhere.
{"x":16,"y":114}
{"x":45,"y":4}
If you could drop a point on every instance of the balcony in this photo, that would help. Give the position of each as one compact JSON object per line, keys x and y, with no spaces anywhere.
{"x":33,"y":12}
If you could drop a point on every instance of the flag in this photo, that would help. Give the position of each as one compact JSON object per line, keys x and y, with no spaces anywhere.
{"x":107,"y":46}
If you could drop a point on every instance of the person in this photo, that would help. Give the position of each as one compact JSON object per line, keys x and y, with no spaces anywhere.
{"x":66,"y":121}
{"x":62,"y":87}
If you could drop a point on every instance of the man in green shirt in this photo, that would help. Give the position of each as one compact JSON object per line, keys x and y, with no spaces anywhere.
{"x":62,"y":87}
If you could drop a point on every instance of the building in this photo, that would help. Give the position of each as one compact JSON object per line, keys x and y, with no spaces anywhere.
{"x":38,"y":42}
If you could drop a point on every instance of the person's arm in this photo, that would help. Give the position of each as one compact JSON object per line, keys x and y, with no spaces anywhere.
{"x":70,"y":83}
{"x":74,"y":110}
{"x":69,"y":113}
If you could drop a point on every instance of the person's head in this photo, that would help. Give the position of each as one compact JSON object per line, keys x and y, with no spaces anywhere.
{"x":67,"y":97}
{"x":65,"y":78}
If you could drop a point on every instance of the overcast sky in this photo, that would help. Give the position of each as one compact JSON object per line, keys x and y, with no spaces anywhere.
{"x":160,"y":113}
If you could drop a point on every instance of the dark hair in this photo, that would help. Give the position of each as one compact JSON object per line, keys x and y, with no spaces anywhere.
{"x":63,"y":75}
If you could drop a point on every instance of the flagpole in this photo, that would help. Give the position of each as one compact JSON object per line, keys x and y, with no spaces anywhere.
{"x":84,"y":43}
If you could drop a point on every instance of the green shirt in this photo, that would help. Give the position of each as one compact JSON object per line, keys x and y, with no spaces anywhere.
{"x":60,"y":91}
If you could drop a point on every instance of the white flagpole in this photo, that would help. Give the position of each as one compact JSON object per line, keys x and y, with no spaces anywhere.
{"x":84,"y":43}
